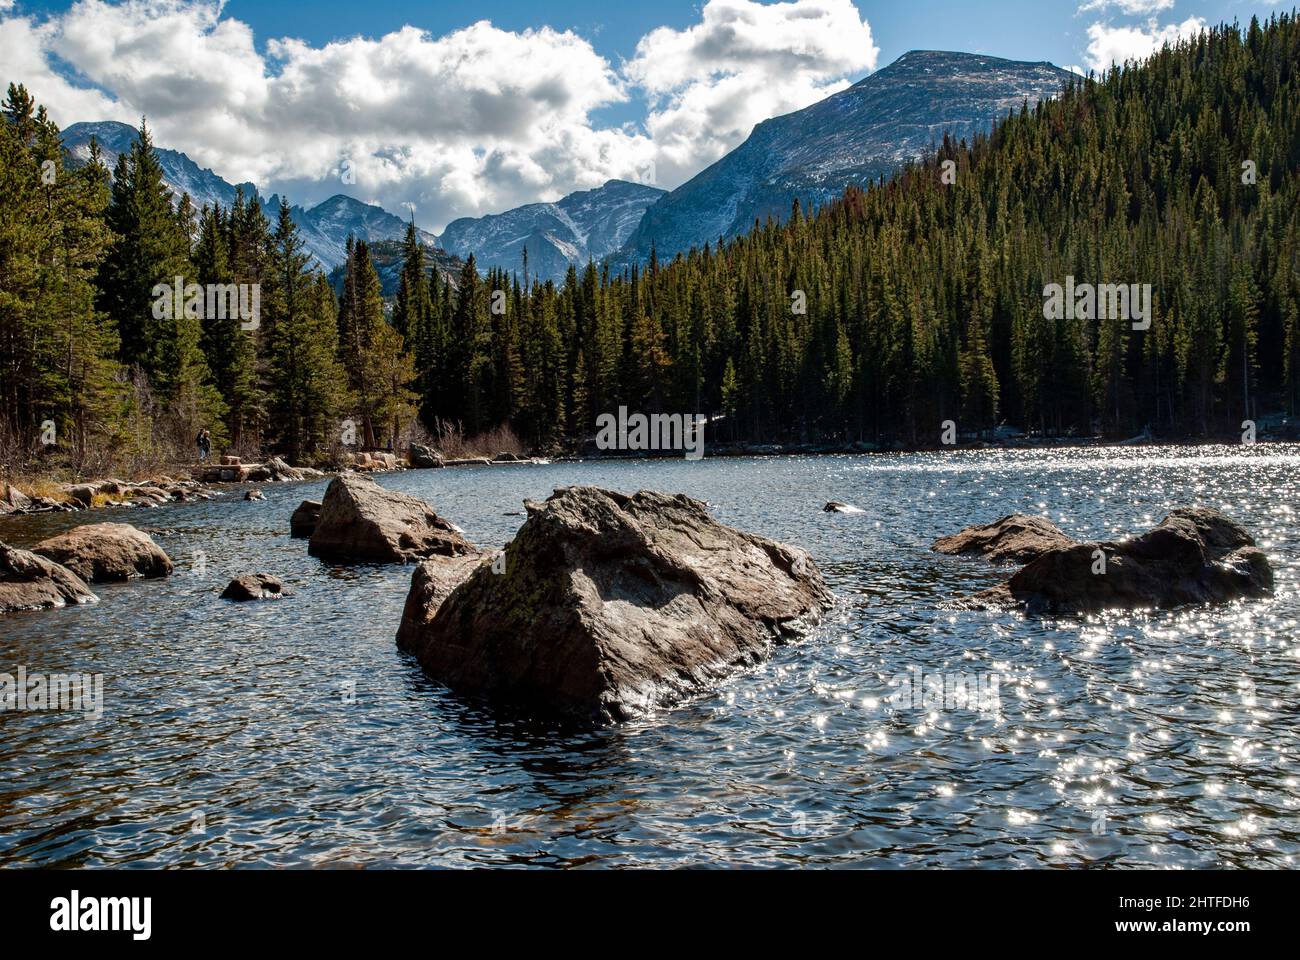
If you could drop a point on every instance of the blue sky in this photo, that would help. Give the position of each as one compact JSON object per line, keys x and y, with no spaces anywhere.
{"x":465,"y":108}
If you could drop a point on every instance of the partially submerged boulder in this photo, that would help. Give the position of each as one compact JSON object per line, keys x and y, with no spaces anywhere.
{"x":1017,"y":538}
{"x":32,"y":582}
{"x":1195,"y":555}
{"x":107,"y":553}
{"x":302,"y":523}
{"x":837,"y":506}
{"x":424,"y":458}
{"x":362,"y":522}
{"x":606,"y":606}
{"x":256,"y":586}
{"x":278,"y":469}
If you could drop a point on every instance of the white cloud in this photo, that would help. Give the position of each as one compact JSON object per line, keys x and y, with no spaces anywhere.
{"x":1108,"y":44}
{"x":710,"y":83}
{"x":1130,"y":7}
{"x":476,"y":121}
{"x":23,"y":53}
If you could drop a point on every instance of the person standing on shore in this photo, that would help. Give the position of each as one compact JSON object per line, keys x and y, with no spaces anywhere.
{"x":204,"y":440}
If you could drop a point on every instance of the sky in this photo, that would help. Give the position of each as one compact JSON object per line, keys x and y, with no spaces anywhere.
{"x":448,"y":109}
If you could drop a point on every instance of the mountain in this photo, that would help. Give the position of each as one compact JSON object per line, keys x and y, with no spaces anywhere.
{"x":325,"y":227}
{"x":182,"y":174}
{"x":590,"y":224}
{"x":852,"y":137}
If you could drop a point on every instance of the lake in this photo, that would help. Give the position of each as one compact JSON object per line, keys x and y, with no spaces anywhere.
{"x":296,"y":734}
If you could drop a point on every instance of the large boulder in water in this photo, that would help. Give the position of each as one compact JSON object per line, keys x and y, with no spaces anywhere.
{"x":1195,"y":555}
{"x":107,"y":553}
{"x":605,"y":606}
{"x":1017,"y":538}
{"x":32,"y":582}
{"x":362,"y":522}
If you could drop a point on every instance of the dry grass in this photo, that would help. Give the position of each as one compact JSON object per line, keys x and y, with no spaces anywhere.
{"x":42,"y":487}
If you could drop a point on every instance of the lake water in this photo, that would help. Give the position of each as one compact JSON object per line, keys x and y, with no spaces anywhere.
{"x":296,"y":734}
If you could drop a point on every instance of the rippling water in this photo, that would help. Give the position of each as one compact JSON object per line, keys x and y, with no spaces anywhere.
{"x":296,"y":734}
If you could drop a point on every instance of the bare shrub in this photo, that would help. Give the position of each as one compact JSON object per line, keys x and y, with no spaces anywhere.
{"x":449,"y":439}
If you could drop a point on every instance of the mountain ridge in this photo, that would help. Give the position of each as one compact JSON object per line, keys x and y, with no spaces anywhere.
{"x":325,"y":226}
{"x":854,"y":136}
{"x":582,"y":226}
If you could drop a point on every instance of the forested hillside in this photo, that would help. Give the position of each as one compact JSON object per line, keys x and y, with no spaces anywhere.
{"x":901,"y":306}
{"x":925,"y":299}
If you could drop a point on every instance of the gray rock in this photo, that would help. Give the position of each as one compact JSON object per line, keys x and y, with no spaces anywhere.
{"x":424,"y":458}
{"x":362,"y":522}
{"x":1194,"y":556}
{"x":607,"y":606}
{"x":1016,"y":538}
{"x":256,"y":586}
{"x":302,"y":524}
{"x":32,"y":582}
{"x":107,"y":553}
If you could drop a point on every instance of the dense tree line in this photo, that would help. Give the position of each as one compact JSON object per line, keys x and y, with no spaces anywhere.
{"x":93,"y":366}
{"x":881,"y":316}
{"x":921,"y":300}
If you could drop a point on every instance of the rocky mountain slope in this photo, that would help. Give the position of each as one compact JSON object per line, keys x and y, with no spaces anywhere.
{"x":325,"y":227}
{"x":590,"y":224}
{"x":852,"y":137}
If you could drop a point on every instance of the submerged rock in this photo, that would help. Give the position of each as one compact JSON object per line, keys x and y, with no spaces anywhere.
{"x":107,"y":553}
{"x":1017,"y":538}
{"x":256,"y":586}
{"x":605,"y":606}
{"x":302,"y":523}
{"x":32,"y":582}
{"x":254,"y":495}
{"x":1195,"y":555}
{"x":362,"y":522}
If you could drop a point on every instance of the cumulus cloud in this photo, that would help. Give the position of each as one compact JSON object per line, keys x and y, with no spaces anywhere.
{"x":476,"y":121}
{"x":1128,"y":6}
{"x":1108,"y":44}
{"x":710,"y":83}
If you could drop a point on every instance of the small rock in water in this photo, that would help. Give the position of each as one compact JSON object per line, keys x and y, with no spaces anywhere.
{"x":254,"y":495}
{"x":1017,"y":538}
{"x":836,"y":506}
{"x":256,"y":586}
{"x":302,"y":524}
